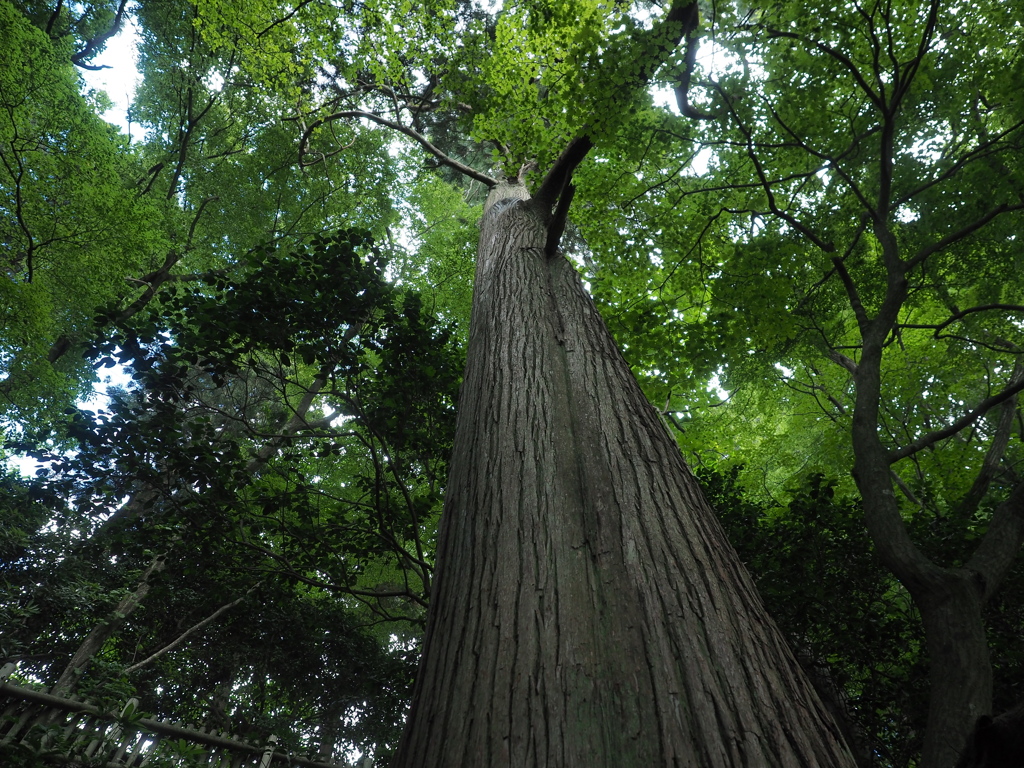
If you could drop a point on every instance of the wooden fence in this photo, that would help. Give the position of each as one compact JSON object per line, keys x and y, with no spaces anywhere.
{"x":79,"y":733}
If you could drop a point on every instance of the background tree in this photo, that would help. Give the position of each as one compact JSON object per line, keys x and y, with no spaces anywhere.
{"x":214,"y":513}
{"x":70,"y":226}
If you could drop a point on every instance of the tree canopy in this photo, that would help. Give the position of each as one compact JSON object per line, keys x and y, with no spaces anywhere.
{"x":801,"y":223}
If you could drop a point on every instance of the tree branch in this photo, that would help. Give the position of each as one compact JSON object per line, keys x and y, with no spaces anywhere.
{"x":190,"y":631}
{"x":297,"y":421}
{"x":996,"y":450}
{"x":290,"y":571}
{"x":798,"y":225}
{"x":948,"y":240}
{"x":903,"y":82}
{"x":422,"y":140}
{"x":561,"y":172}
{"x":195,"y":219}
{"x":977,"y":153}
{"x":855,"y":303}
{"x":691,"y":20}
{"x":843,"y":361}
{"x":846,"y":62}
{"x":1001,"y":544}
{"x":285,"y":18}
{"x":185,"y":132}
{"x":153,"y":281}
{"x":964,"y":421}
{"x":93,"y":45}
{"x":831,"y":162}
{"x":557,"y":224}
{"x":54,"y":17}
{"x":558,"y":179}
{"x":961,"y":314}
{"x":905,"y":488}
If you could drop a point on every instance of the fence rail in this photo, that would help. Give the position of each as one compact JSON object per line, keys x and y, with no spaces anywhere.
{"x":78,"y":732}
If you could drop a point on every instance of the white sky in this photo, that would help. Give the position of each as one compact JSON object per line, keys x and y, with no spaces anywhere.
{"x":122,"y":77}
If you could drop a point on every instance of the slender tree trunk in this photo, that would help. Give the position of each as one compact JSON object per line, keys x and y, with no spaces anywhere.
{"x":220,"y":700}
{"x":588,"y":610}
{"x":99,"y":635}
{"x":327,"y":735}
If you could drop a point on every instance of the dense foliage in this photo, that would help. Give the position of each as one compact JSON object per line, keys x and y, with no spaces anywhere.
{"x":816,"y":240}
{"x":276,"y":464}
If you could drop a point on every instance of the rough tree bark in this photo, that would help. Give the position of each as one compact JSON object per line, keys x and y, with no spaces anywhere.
{"x":587,"y":610}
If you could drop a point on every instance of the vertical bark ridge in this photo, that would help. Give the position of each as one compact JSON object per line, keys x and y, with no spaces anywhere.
{"x":587,"y":610}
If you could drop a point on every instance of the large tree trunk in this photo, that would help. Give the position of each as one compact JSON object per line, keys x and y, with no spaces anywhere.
{"x":950,"y":601}
{"x":588,"y":610}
